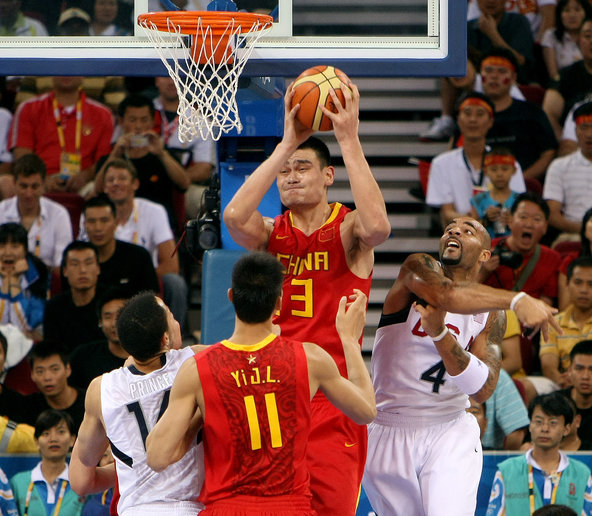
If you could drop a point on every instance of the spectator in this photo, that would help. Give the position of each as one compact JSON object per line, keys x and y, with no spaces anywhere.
{"x":101,"y":356}
{"x":492,"y":207}
{"x":456,"y":173}
{"x":566,"y":190}
{"x":103,"y":21}
{"x":70,"y":316}
{"x":159,"y":173}
{"x":575,"y":321}
{"x":506,"y":415}
{"x":6,"y":180}
{"x":14,"y":23}
{"x":560,"y":44}
{"x":198,"y":156}
{"x":521,"y":126}
{"x":572,"y":441}
{"x":536,"y":273}
{"x":68,"y":131}
{"x":122,"y":264}
{"x":46,"y":489}
{"x":7,"y":502}
{"x":545,"y":474}
{"x":74,"y":22}
{"x":574,"y":83}
{"x":555,"y":510}
{"x":23,"y":282}
{"x":584,"y":250}
{"x":495,"y":27}
{"x":580,"y":372}
{"x":47,"y":222}
{"x":145,"y":223}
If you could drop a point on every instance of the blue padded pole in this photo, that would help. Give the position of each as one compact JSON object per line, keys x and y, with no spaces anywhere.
{"x":168,"y":5}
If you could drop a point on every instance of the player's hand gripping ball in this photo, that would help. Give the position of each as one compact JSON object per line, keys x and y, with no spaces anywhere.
{"x":312,"y":89}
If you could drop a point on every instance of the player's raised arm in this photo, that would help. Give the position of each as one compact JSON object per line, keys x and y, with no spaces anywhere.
{"x":176,"y":430}
{"x":85,"y":476}
{"x":353,"y":396}
{"x":372,"y":226}
{"x":246,"y":225}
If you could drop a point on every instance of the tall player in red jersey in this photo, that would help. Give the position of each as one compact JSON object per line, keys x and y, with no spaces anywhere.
{"x":253,"y":391}
{"x":327,"y":250}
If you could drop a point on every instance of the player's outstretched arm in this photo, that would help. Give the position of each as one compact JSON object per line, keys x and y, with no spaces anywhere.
{"x":177,"y":429}
{"x":85,"y":476}
{"x":422,"y":276}
{"x":353,"y":396}
{"x":246,"y":225}
{"x":372,"y":226}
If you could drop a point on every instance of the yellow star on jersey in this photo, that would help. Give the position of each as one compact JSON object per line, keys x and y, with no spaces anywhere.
{"x":252,"y":359}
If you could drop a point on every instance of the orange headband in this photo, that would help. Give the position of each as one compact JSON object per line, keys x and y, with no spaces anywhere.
{"x":499,"y":159}
{"x":474,"y":101}
{"x":498,"y":61}
{"x":584,"y":119}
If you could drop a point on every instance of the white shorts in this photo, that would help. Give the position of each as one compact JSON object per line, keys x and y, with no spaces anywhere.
{"x":426,"y":471}
{"x":164,"y":509}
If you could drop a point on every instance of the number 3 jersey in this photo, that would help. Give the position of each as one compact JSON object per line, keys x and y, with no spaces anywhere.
{"x":409,"y":377}
{"x":257,"y":419}
{"x":317,"y":276}
{"x":132,"y":402}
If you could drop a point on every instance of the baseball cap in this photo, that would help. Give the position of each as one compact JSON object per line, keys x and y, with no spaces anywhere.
{"x":73,"y":13}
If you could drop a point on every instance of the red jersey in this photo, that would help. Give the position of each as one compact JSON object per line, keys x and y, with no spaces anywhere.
{"x":34,"y":127}
{"x":317,"y":276}
{"x":257,"y":419}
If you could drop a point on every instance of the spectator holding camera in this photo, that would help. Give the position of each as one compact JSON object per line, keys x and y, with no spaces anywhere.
{"x":519,"y":261}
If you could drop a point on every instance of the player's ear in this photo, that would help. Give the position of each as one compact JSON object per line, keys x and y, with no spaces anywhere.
{"x":329,"y":172}
{"x":230,"y":295}
{"x":484,"y":256}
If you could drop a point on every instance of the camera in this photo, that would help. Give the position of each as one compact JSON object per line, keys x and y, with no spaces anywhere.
{"x":203,"y":233}
{"x":507,"y":257}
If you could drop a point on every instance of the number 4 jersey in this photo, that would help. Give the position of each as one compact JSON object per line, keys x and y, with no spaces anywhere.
{"x":408,"y":373}
{"x":132,"y":402}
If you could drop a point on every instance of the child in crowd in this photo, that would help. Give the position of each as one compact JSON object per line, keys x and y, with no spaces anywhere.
{"x":492,"y":207}
{"x":46,"y":488}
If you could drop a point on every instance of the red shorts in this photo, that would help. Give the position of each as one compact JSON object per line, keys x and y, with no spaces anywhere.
{"x":289,"y":505}
{"x":336,"y":457}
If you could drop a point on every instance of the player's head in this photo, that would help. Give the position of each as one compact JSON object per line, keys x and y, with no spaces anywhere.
{"x":499,"y":166}
{"x":580,"y":368}
{"x":583,"y":119}
{"x":54,"y":434}
{"x":550,"y":416}
{"x":50,"y":367}
{"x":498,"y":72}
{"x":465,"y":243}
{"x":475,"y":113}
{"x":528,"y":224}
{"x":256,"y":286}
{"x":144,"y":328}
{"x":319,"y":148}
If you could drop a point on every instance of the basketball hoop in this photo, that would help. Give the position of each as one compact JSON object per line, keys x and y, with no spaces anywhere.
{"x":205,"y":53}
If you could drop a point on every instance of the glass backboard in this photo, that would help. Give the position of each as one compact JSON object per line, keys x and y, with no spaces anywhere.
{"x":364,"y":38}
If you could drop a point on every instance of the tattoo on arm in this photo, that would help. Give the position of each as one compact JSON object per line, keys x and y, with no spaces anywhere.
{"x":429,"y":262}
{"x":496,"y":328}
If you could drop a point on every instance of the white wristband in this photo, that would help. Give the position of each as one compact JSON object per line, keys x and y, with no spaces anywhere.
{"x":473,"y":377}
{"x":515,"y":299}
{"x":440,"y":336}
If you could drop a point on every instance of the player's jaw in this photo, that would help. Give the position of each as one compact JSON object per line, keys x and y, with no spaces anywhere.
{"x":451,"y":251}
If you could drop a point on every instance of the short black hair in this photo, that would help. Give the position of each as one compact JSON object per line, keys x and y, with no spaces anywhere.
{"x":50,"y":418}
{"x":257,"y":280}
{"x":474,"y":95}
{"x":13,"y":232}
{"x":502,"y":52}
{"x":141,"y":323}
{"x":111,"y":294}
{"x":580,"y":261}
{"x":320,"y":149}
{"x":29,"y":165}
{"x":78,"y":245}
{"x":555,"y":510}
{"x":552,"y":404}
{"x":99,"y":201}
{"x":47,"y":348}
{"x":534,"y":198}
{"x":584,"y":347}
{"x":135,"y":100}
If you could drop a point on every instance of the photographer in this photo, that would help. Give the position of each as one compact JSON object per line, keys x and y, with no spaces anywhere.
{"x":537,"y":271}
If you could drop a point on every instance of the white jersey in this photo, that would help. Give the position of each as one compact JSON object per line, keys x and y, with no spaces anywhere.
{"x":411,"y":384}
{"x":132,"y":403}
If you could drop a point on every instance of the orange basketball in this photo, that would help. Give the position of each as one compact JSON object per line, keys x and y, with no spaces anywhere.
{"x":312,"y":89}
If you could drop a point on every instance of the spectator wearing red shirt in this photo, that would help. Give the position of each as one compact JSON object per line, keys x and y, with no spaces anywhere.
{"x":67,"y":130}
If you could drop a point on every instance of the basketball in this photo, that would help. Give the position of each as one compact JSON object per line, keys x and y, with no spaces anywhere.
{"x":312,"y":90}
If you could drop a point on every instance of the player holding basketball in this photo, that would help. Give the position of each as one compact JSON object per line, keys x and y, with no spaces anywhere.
{"x":424,"y":451}
{"x":122,"y":406}
{"x":254,"y":392}
{"x":327,"y":251}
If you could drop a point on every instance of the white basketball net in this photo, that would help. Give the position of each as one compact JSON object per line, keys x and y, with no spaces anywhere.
{"x":206,"y":89}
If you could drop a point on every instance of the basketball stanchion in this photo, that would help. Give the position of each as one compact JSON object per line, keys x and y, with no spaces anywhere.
{"x":205,"y":53}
